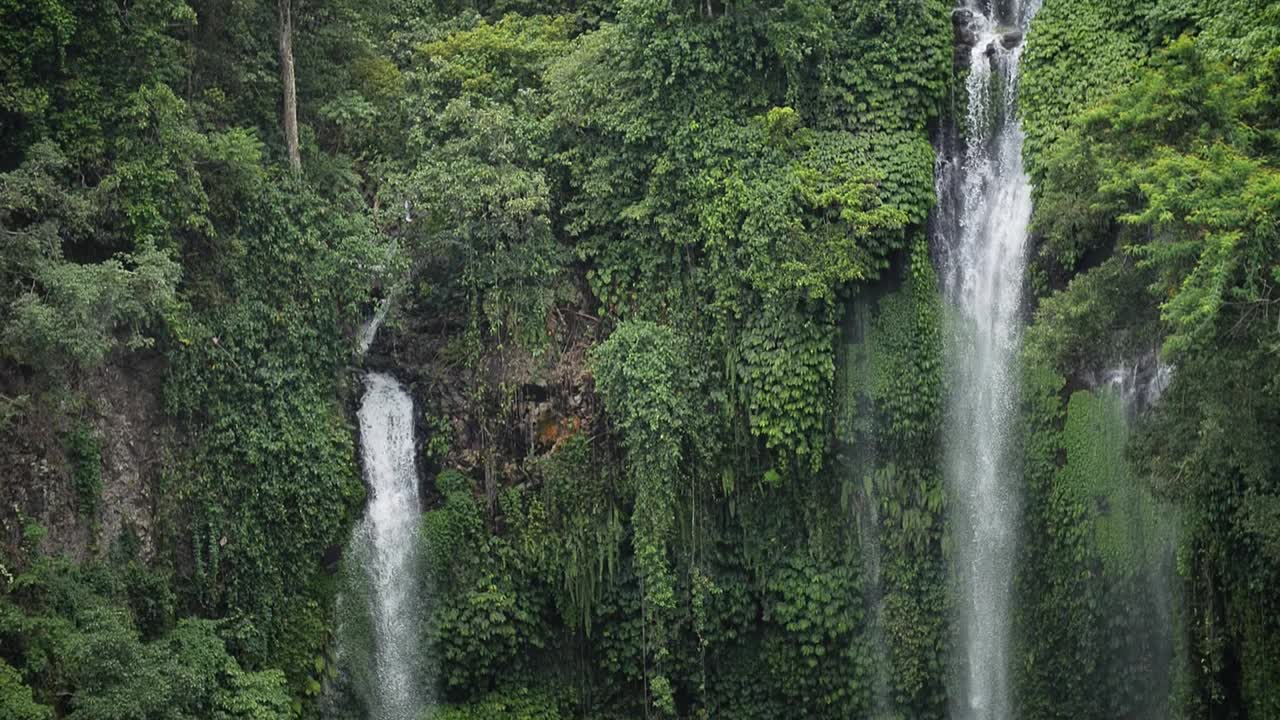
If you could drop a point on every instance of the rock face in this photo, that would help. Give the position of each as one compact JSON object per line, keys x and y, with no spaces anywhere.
{"x":122,"y":406}
{"x":966,"y":31}
{"x":129,"y":417}
{"x":968,"y":35}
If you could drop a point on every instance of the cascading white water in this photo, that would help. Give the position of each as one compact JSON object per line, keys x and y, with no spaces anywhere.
{"x":385,"y":550}
{"x":1138,"y":383}
{"x":984,"y":251}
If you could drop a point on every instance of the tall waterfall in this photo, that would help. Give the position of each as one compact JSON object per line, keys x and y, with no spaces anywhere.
{"x":383,"y":609}
{"x":985,"y":208}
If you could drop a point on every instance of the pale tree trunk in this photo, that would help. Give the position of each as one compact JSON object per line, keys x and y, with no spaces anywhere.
{"x":290,"y":85}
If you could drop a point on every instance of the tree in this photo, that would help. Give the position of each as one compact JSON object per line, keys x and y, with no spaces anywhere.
{"x":16,"y":701}
{"x":290,"y":84}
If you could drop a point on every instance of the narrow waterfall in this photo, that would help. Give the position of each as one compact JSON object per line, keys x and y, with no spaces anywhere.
{"x":873,"y":595}
{"x":382,"y":607}
{"x":370,"y":329}
{"x":1138,"y":383}
{"x":858,"y":465}
{"x":1138,"y":538}
{"x":985,"y":204}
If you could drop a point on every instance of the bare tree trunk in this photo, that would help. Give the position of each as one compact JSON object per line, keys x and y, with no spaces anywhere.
{"x":290,"y":85}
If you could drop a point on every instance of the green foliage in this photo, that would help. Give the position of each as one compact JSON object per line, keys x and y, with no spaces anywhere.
{"x":36,"y":30}
{"x":737,"y":170}
{"x":1077,"y":53}
{"x":1057,"y":610}
{"x":488,"y":618}
{"x":1109,"y":306}
{"x":507,"y":704}
{"x":187,"y":674}
{"x":813,"y":603}
{"x":877,"y":65}
{"x":1209,"y":203}
{"x":74,"y":631}
{"x":16,"y":700}
{"x":1235,"y":31}
{"x":70,"y":64}
{"x":803,"y":213}
{"x":583,"y":531}
{"x":897,"y":69}
{"x":271,"y":481}
{"x":906,"y":388}
{"x":1169,"y":169}
{"x":713,"y":181}
{"x":891,"y":410}
{"x":1094,"y":439}
{"x":474,"y":200}
{"x":1097,"y":590}
{"x":59,"y":310}
{"x":451,"y":529}
{"x":906,"y":370}
{"x":785,"y":374}
{"x":492,"y":61}
{"x":85,"y":457}
{"x":642,"y":373}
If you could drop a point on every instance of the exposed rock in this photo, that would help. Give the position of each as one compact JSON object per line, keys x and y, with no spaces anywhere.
{"x":965,"y":30}
{"x":128,"y":415}
{"x":504,"y":408}
{"x":122,"y":404}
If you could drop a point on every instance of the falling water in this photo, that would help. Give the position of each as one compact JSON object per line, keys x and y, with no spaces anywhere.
{"x":1138,"y":383}
{"x":1139,"y":537}
{"x":370,"y":329}
{"x":859,"y":470}
{"x":384,"y":554}
{"x":868,"y":521}
{"x":987,"y":194}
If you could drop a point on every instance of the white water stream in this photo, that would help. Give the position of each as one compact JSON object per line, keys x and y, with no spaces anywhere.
{"x":984,"y":250}
{"x":384,"y":549}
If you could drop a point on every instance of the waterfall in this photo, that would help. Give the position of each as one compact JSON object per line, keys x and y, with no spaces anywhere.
{"x":382,"y":609}
{"x":985,"y":209}
{"x":858,"y":466}
{"x":1139,"y":383}
{"x":370,"y":329}
{"x":868,"y":521}
{"x":1138,"y":538}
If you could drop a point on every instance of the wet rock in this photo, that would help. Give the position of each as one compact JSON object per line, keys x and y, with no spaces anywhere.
{"x":966,"y":32}
{"x":1011,"y":39}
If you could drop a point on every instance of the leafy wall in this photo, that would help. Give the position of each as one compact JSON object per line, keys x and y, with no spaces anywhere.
{"x":660,"y":287}
{"x":1150,"y":174}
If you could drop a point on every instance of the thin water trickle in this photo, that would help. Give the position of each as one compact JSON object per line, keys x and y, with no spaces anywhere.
{"x":873,"y":595}
{"x":370,"y":328}
{"x":1139,"y":540}
{"x":983,"y":245}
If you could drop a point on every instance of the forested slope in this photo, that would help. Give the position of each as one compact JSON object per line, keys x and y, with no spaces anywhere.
{"x":660,"y":283}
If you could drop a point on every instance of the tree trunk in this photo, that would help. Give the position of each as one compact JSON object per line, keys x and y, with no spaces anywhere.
{"x":290,"y":86}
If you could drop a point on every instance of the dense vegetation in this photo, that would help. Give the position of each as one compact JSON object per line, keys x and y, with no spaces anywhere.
{"x":1152,"y":135}
{"x":661,"y":284}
